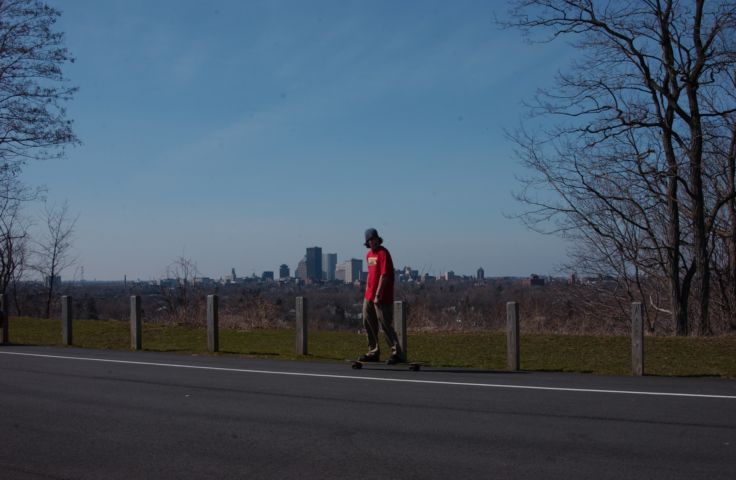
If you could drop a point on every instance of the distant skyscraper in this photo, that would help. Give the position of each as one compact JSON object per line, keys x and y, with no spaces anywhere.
{"x":301,"y":269}
{"x":284,"y":271}
{"x":340,"y":271}
{"x":234,"y":277}
{"x":267,"y":276}
{"x":314,"y":264}
{"x":353,"y":270}
{"x":329,"y":264}
{"x":481,"y":274}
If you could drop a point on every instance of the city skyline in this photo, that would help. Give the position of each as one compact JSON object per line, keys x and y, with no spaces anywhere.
{"x":76,"y":272}
{"x":285,"y":271}
{"x":292,"y":272}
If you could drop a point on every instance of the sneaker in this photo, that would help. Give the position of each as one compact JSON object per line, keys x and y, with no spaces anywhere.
{"x":369,"y":358}
{"x":393,"y":360}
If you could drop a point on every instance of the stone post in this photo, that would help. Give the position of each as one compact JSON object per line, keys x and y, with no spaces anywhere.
{"x":135,"y":322}
{"x":400,"y":314}
{"x":213,"y":320}
{"x":66,"y":319}
{"x":301,"y":326}
{"x":637,"y":339}
{"x":512,"y":336}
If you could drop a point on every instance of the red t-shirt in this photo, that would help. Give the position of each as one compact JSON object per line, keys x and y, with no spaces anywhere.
{"x":380,"y":263}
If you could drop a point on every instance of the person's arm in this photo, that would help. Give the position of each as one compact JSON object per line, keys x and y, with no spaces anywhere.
{"x":382,"y":271}
{"x":379,"y":289}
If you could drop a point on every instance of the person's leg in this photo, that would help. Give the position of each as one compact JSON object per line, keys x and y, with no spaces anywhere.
{"x":370,"y":322}
{"x":385,"y":314}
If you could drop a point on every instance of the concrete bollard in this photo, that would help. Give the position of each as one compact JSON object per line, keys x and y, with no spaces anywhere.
{"x":637,"y":339}
{"x":4,"y":320}
{"x":135,"y":322}
{"x":301,"y":326}
{"x":66,"y":319}
{"x":512,"y":336}
{"x":400,"y":315}
{"x":213,"y":320}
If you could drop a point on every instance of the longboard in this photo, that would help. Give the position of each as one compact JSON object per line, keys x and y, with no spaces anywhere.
{"x":413,"y":366}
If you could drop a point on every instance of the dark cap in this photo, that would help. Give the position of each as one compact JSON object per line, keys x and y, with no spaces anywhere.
{"x":372,"y":233}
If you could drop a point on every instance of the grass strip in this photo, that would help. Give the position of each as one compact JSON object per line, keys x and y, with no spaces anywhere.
{"x":603,"y":355}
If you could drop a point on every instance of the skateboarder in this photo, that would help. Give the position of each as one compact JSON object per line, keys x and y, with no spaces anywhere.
{"x":379,"y":299}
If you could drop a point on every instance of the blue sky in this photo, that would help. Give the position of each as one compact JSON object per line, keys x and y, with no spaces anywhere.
{"x":238,"y":133}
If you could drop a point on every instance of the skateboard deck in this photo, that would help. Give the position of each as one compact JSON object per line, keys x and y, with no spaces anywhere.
{"x":413,"y":366}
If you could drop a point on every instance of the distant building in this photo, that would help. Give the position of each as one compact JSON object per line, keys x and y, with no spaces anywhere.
{"x":481,"y":274}
{"x":301,"y":270}
{"x":340,"y":270}
{"x":329,"y":265}
{"x":426,"y":278}
{"x":233,"y":275}
{"x":314,"y":264}
{"x":284,"y":271}
{"x":352,"y":268}
{"x":534,"y":280}
{"x":448,"y":276}
{"x":407,"y":274}
{"x":267,"y":276}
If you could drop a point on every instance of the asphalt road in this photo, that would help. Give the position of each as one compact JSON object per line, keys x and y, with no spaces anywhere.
{"x":68,"y":413}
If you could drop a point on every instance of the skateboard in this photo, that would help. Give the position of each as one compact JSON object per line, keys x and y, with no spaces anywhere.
{"x":413,"y":366}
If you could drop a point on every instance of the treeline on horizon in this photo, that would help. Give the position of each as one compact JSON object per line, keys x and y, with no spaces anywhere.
{"x":597,"y":307}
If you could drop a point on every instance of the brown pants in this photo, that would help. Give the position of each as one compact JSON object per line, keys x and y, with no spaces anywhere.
{"x":383,"y":314}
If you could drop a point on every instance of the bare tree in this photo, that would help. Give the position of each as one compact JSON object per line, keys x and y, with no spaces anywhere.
{"x":180,"y":290}
{"x":53,"y":248}
{"x":20,"y":256}
{"x":13,"y":230}
{"x":629,"y":166}
{"x":33,"y":123}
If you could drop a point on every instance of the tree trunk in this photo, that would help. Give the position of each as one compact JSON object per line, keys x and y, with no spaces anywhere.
{"x":49,"y":297}
{"x":16,"y":300}
{"x":678,"y":298}
{"x":700,"y":236}
{"x":696,"y":176}
{"x":731,"y":237}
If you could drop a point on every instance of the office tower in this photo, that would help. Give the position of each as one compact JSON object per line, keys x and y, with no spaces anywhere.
{"x":301,"y":270}
{"x":353,"y":270}
{"x":329,"y":264}
{"x":481,"y":274}
{"x":340,"y":271}
{"x":284,"y":271}
{"x":314,"y":264}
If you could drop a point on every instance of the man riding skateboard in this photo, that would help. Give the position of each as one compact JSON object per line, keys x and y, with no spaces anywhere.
{"x":379,"y":299}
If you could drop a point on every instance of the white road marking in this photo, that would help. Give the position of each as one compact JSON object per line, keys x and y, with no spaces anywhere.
{"x":378,"y":379}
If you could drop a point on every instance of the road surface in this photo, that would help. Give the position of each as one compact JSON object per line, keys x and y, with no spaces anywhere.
{"x":70,"y":413}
